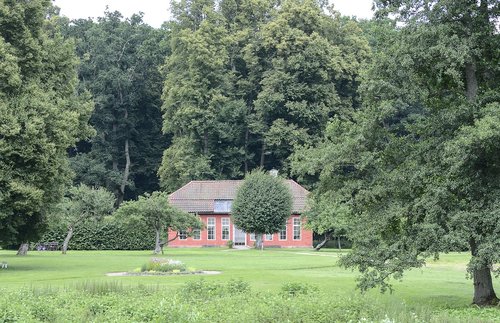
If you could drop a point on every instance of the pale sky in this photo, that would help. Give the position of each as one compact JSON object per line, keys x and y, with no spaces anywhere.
{"x":157,"y":11}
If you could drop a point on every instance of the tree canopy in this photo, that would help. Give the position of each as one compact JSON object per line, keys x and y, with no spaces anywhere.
{"x":41,"y":115}
{"x":155,"y":211}
{"x":417,"y":165}
{"x":262,"y":205}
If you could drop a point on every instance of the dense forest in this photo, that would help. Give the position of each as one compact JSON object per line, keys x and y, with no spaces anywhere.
{"x":393,"y":123}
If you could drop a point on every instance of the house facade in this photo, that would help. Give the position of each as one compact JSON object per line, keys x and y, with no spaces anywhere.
{"x":212,"y":201}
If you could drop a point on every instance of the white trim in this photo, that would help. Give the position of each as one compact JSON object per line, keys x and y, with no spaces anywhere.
{"x":228,"y":229}
{"x":286,"y":233}
{"x":293,"y":228}
{"x":269,"y":234}
{"x":199,"y":236}
{"x":215,"y":228}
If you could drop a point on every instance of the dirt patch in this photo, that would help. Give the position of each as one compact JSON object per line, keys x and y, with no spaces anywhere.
{"x":144,"y":274}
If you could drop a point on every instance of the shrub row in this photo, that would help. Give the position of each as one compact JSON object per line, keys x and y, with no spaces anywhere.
{"x":103,"y":235}
{"x":232,"y":301}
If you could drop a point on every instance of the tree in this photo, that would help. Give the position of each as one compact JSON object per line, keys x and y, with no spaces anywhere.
{"x":81,"y":204}
{"x":155,"y":211}
{"x":120,"y":60}
{"x":262,"y":205}
{"x":41,"y":115}
{"x":417,"y":167}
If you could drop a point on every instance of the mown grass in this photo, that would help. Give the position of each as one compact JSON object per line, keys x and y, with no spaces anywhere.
{"x":438,"y":292}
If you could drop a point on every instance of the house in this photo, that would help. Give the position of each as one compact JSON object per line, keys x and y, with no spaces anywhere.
{"x":212,"y":200}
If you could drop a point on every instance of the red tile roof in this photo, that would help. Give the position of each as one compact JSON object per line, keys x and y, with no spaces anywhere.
{"x":199,"y":196}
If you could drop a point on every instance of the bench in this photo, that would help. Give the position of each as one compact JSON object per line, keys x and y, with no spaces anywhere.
{"x":47,"y":246}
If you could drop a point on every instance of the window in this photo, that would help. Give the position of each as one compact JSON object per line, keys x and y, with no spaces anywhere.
{"x":183,"y":235}
{"x":196,"y":234}
{"x":269,"y":237}
{"x":211,"y":228}
{"x":252,"y":236}
{"x":223,"y":206}
{"x":296,"y":228}
{"x":283,"y":233}
{"x":225,"y":228}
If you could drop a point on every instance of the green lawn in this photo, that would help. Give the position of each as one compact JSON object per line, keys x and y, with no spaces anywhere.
{"x":442,"y":284}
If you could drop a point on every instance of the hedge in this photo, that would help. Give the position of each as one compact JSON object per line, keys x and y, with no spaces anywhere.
{"x":104,"y":235}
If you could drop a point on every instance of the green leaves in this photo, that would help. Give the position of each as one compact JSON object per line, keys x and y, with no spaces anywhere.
{"x":263,"y":203}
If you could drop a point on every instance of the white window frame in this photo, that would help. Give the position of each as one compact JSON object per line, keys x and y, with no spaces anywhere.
{"x":225,"y":226}
{"x":223,"y":206}
{"x":253,"y":237}
{"x":195,"y":237}
{"x":183,"y":235}
{"x":214,"y":226}
{"x":269,"y":237}
{"x":295,"y":225}
{"x":285,"y":227}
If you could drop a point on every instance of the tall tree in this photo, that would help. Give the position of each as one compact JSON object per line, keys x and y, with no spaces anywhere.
{"x":41,"y":116}
{"x":418,"y":166}
{"x":248,"y":80}
{"x":120,"y":67}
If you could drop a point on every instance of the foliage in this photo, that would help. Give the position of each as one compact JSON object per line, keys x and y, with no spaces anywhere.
{"x":108,"y":234}
{"x":249,"y":80}
{"x":415,"y":169}
{"x":292,"y":289}
{"x":154,"y":211}
{"x":41,"y":115}
{"x":201,"y":289}
{"x":163,"y":265}
{"x":120,"y":61}
{"x":263,"y":203}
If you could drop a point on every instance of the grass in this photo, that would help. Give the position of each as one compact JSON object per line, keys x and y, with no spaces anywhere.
{"x":440,"y":287}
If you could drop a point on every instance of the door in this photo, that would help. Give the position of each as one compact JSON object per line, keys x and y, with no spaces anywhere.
{"x":240,"y":237}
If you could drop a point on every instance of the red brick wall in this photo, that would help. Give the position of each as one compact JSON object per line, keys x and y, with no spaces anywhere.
{"x":306,"y":236}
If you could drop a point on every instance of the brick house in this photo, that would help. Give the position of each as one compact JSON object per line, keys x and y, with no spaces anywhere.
{"x":212,"y":200}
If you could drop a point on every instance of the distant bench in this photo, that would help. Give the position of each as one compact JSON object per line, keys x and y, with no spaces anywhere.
{"x":47,"y":246}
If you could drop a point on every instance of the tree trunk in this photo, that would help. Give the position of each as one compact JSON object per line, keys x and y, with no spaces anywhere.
{"x":471,"y":81}
{"x":157,"y":242}
{"x":259,"y":243}
{"x":340,"y":247}
{"x":246,"y":150}
{"x":23,"y":249}
{"x":263,"y":154}
{"x":66,"y":241}
{"x":126,"y":173}
{"x":484,"y":294}
{"x":327,"y":238}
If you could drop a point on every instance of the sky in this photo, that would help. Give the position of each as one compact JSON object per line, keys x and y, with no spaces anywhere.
{"x":157,"y":11}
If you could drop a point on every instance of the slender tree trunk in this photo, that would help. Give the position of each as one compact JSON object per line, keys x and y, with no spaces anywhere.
{"x":327,"y":238}
{"x":246,"y":150}
{"x":157,"y":242}
{"x":23,"y":249}
{"x":263,"y":154}
{"x":66,"y":241}
{"x":340,"y":247}
{"x":259,"y":243}
{"x":484,"y":294}
{"x":471,"y":81}
{"x":126,"y":173}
